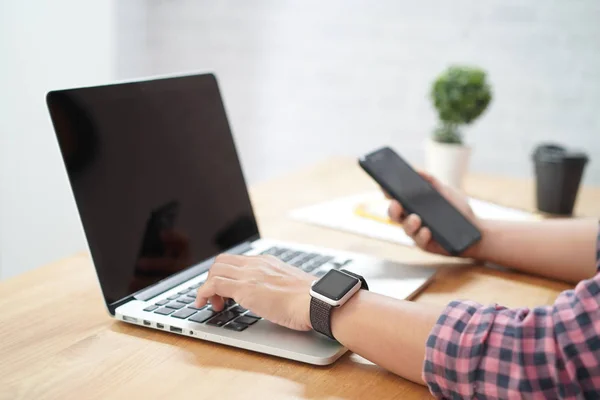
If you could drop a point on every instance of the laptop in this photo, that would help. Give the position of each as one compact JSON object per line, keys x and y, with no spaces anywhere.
{"x":160,"y":192}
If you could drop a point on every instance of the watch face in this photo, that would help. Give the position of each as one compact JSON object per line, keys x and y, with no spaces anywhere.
{"x":334,"y":284}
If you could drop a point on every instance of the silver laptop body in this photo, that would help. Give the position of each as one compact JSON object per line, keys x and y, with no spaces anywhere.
{"x":160,"y":192}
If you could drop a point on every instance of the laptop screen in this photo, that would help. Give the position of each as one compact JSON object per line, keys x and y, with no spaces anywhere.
{"x":155,"y":175}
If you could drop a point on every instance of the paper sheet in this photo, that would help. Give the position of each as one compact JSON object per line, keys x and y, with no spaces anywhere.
{"x":366,"y":214}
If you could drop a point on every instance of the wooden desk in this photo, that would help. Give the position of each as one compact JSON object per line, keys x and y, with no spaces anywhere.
{"x":57,"y":341}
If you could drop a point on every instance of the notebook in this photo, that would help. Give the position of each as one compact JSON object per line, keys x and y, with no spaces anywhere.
{"x":366,"y":214}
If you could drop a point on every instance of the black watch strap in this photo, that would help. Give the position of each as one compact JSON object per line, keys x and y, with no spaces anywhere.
{"x":320,"y":312}
{"x":320,"y":317}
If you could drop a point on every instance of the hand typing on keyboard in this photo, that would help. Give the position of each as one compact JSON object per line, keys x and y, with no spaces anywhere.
{"x":264,"y":284}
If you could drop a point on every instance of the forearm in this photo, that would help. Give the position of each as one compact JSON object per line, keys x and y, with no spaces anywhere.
{"x":389,"y":332}
{"x":558,"y":249}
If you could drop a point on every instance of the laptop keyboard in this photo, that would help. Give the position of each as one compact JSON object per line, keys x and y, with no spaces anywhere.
{"x":233,"y":316}
{"x":308,"y":262}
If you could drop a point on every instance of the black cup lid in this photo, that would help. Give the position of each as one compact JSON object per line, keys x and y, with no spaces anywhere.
{"x":555,"y":153}
{"x":576,"y":157}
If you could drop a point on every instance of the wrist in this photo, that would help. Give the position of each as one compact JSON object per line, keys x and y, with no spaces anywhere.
{"x":478,"y":250}
{"x":339,"y":314}
{"x":306,"y":308}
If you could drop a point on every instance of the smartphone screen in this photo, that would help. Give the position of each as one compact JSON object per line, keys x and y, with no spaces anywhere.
{"x":449,"y":227}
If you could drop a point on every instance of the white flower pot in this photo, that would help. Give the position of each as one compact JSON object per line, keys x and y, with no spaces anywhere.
{"x":447,"y":162}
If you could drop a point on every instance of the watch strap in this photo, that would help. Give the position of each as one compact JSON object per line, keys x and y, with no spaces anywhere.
{"x":320,"y":312}
{"x":363,"y":282}
{"x":320,"y":317}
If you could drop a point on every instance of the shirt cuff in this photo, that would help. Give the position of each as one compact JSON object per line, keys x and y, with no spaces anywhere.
{"x":451,"y":357}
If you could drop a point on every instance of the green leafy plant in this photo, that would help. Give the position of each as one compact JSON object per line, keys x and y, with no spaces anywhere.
{"x":460,"y":95}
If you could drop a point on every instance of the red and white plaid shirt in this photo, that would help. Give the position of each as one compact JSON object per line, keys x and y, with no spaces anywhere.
{"x":491,"y":352}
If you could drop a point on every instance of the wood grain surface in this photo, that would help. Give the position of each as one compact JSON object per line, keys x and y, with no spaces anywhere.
{"x":58,"y":342}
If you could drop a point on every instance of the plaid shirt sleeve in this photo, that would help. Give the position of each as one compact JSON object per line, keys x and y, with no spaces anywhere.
{"x":492,"y":352}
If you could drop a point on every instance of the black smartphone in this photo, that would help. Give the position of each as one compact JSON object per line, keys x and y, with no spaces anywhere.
{"x":449,"y":227}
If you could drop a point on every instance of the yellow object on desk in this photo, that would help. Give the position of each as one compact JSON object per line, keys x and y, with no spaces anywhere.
{"x":375,"y":210}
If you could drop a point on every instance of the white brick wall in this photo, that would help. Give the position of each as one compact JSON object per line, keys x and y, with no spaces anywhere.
{"x":341,"y":77}
{"x":302,"y":80}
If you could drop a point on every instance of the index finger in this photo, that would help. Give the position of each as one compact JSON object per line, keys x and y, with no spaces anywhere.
{"x":396,"y":211}
{"x":217,"y":286}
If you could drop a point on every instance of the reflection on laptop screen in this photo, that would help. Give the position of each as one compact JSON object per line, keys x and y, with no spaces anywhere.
{"x":155,"y":175}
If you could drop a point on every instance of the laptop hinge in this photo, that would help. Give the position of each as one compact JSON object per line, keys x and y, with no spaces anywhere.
{"x":179,"y":278}
{"x":113,"y":306}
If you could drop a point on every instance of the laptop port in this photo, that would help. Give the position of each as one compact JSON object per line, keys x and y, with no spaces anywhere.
{"x":160,"y":326}
{"x":147,"y":323}
{"x":175,"y":329}
{"x":129,"y":319}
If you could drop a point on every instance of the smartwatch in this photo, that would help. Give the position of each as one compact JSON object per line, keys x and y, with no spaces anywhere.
{"x":334,"y":289}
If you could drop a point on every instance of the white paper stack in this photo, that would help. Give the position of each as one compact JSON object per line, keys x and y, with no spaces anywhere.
{"x":342,"y":214}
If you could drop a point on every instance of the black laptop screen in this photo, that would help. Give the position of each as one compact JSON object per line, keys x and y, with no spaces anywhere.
{"x":155,"y":175}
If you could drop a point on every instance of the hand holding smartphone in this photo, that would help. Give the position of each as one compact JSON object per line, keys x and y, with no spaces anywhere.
{"x":449,"y":227}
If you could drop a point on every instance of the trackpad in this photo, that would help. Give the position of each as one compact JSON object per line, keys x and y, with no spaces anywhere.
{"x":397,"y":288}
{"x":393,"y":279}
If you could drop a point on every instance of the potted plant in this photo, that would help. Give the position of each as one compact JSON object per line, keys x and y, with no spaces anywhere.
{"x":460,"y":95}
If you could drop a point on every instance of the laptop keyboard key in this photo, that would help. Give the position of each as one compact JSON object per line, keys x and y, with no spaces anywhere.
{"x":273,"y":251}
{"x":341,"y":264}
{"x":244,"y":319}
{"x":238,"y":309}
{"x":196,"y":285}
{"x":308,"y":262}
{"x":316,"y":263}
{"x":176,"y":305}
{"x":196,"y":308}
{"x":151,"y":308}
{"x":222,"y":318}
{"x":192,"y":294}
{"x":186,"y":300}
{"x":202,"y":315}
{"x":298,"y":255}
{"x":164,"y":311}
{"x":297,"y":262}
{"x":175,"y":296}
{"x":309,"y":257}
{"x":162,"y":302}
{"x":183,"y":313}
{"x":322,"y":260}
{"x":252,"y":315}
{"x":301,"y":259}
{"x":229,"y":303}
{"x":290,"y":255}
{"x":321,"y":272}
{"x":308,"y":267}
{"x":311,"y":268}
{"x":184,"y":291}
{"x":235,"y":326}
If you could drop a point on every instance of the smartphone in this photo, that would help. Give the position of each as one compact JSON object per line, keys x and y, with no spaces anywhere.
{"x":449,"y":227}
